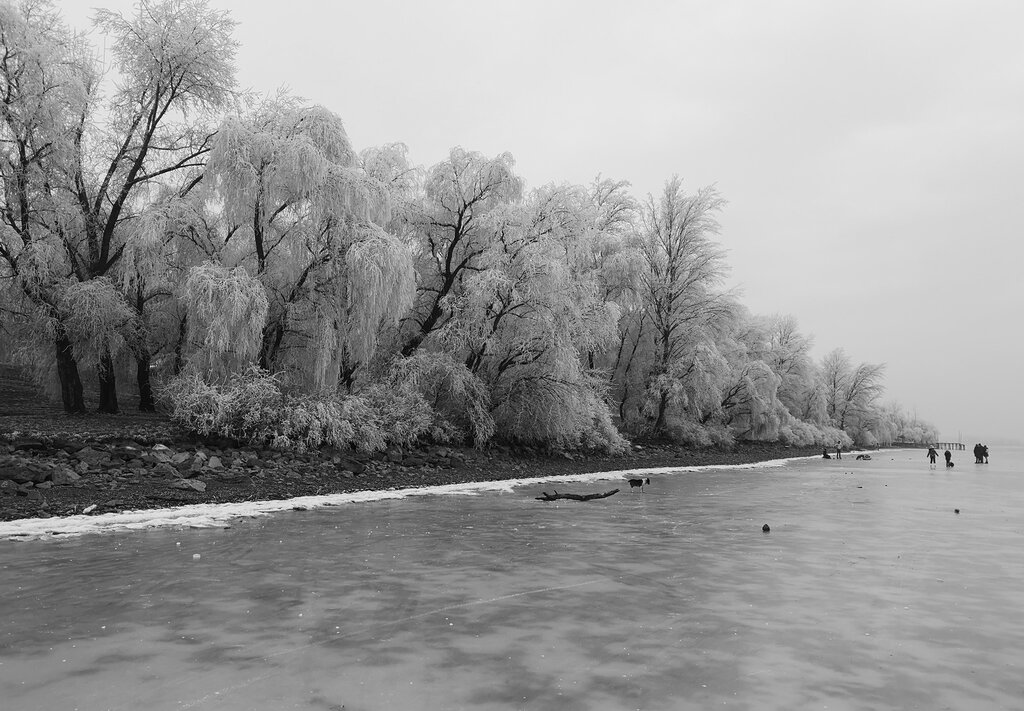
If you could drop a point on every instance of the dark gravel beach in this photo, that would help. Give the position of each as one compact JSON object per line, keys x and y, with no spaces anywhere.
{"x":52,"y":464}
{"x":55,"y":465}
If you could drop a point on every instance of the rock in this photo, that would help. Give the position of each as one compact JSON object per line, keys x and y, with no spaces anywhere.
{"x":353,"y":466}
{"x":89,"y":509}
{"x":92,"y":457}
{"x":26,"y":471}
{"x":164,"y":469}
{"x":215,"y":463}
{"x":414,"y":461}
{"x":766,"y":528}
{"x":28,"y":445}
{"x":394,"y":456}
{"x":44,"y":484}
{"x":161,"y":448}
{"x":193,"y":484}
{"x":64,"y":477}
{"x":181,"y":458}
{"x":8,"y":487}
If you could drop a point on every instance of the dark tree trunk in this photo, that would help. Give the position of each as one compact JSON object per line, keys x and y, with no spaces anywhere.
{"x":146,"y":401}
{"x":545,"y":496}
{"x":67,"y":372}
{"x":108,"y":384}
{"x":179,"y":345}
{"x":659,"y":424}
{"x":272,"y":336}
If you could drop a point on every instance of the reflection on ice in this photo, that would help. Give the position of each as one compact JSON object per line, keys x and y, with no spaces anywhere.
{"x":869,"y":592}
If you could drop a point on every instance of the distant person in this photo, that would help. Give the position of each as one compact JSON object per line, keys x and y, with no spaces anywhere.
{"x":949,"y":458}
{"x":978,"y":456}
{"x":984,"y":452}
{"x":932,"y":456}
{"x":825,"y":454}
{"x":839,"y":450}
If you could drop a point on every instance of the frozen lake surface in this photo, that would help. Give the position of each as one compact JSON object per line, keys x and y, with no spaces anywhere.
{"x":868,"y":593}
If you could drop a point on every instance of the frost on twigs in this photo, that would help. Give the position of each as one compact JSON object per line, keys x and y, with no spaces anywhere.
{"x":97,"y":318}
{"x":231,"y":308}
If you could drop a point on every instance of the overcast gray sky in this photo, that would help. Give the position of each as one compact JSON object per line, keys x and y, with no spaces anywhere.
{"x":871,"y":152}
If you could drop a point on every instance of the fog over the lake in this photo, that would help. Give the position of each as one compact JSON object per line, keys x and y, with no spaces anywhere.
{"x":870,"y":151}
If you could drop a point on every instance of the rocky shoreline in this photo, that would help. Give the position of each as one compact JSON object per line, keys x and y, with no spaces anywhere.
{"x":67,"y":473}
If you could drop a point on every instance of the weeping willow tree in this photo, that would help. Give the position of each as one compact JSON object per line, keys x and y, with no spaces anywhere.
{"x":302,"y":216}
{"x":524,"y":319}
{"x":231,"y":307}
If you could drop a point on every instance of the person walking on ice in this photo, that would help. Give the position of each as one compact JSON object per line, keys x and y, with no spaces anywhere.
{"x":932,"y":456}
{"x":949,"y":458}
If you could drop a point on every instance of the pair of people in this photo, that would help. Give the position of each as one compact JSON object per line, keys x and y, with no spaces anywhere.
{"x":981,"y":454}
{"x":933,"y":455}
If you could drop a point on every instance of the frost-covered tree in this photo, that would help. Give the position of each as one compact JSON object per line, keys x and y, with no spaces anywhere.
{"x":101,"y":147}
{"x":304,"y":218}
{"x":683,"y":307}
{"x":851,"y":392}
{"x":527,"y":317}
{"x":453,"y":233}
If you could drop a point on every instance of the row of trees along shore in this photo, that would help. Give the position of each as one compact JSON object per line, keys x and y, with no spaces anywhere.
{"x":235,"y":258}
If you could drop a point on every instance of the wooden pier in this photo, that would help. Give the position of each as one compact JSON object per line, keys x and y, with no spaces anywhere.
{"x":951,"y":445}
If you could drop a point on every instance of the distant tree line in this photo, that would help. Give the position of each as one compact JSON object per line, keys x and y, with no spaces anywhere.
{"x":235,"y":257}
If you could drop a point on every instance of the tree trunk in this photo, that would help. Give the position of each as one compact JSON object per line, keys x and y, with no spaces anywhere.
{"x":108,"y":384}
{"x":273,"y":334}
{"x":146,"y":401}
{"x":179,"y":346}
{"x":545,"y":496}
{"x":659,"y":423}
{"x":67,"y":372}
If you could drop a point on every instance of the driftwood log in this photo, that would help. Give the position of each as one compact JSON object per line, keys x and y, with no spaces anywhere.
{"x":545,"y":496}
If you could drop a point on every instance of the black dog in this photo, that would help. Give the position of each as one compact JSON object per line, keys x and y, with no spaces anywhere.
{"x":638,"y":483}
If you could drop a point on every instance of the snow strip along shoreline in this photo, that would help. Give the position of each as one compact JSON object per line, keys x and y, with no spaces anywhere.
{"x":220,"y":515}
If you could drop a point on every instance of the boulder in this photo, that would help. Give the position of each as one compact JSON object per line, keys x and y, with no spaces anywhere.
{"x":92,"y":457}
{"x":347,"y":464}
{"x":28,"y":445}
{"x":64,"y":477}
{"x":25,"y":471}
{"x":187,"y":484}
{"x":165,"y":469}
